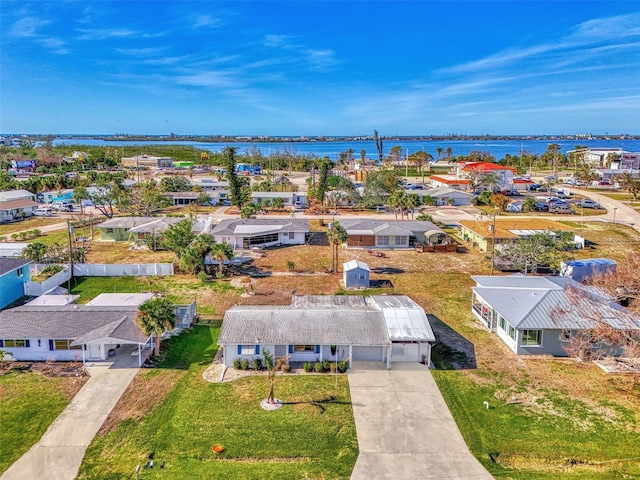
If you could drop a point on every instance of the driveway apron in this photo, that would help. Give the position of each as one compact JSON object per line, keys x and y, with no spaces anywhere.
{"x":58,"y":454}
{"x":404,"y":427}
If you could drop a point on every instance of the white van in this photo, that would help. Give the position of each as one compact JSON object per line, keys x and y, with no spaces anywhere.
{"x":43,"y":212}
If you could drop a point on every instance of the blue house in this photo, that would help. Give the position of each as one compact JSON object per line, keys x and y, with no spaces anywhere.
{"x":14,"y":273}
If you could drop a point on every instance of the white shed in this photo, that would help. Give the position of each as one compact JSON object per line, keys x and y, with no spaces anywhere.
{"x":355,"y":274}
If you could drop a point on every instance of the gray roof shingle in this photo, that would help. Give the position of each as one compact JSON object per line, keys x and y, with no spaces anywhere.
{"x":9,"y":264}
{"x":259,"y":226}
{"x":386,"y":227}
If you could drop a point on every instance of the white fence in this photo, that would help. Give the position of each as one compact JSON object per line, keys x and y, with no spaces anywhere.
{"x":35,"y":289}
{"x":122,"y":270}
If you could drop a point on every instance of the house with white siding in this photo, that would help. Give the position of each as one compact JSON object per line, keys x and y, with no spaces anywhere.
{"x":260,"y":232}
{"x":537,"y":315}
{"x":387,"y":234}
{"x":381,"y":328}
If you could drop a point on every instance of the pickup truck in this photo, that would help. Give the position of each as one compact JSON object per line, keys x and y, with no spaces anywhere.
{"x":587,"y":203}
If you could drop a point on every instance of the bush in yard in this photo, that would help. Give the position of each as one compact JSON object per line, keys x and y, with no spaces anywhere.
{"x":268,"y":359}
{"x":286,"y":368}
{"x":318,"y":367}
{"x":50,"y":270}
{"x":237,"y":363}
{"x":307,"y":366}
{"x":257,"y":363}
{"x":333,"y":367}
{"x":343,"y":365}
{"x":244,"y":364}
{"x":325,"y":365}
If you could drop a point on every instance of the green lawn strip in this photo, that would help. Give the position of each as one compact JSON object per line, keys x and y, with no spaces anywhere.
{"x":29,"y":402}
{"x":31,"y":224}
{"x":90,"y":287}
{"x":557,"y":436}
{"x":311,"y":437}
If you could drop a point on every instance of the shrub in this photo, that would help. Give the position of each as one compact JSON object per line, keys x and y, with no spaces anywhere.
{"x":50,"y":270}
{"x":325,"y":365}
{"x":318,"y":367}
{"x":286,"y":368}
{"x":291,"y":266}
{"x":333,"y":367}
{"x":343,"y":365}
{"x":257,"y":363}
{"x":237,"y":363}
{"x":202,"y":276}
{"x":268,"y":359}
{"x":307,"y":366}
{"x":244,"y":364}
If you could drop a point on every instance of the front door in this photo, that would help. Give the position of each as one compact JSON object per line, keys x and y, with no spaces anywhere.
{"x":94,"y":352}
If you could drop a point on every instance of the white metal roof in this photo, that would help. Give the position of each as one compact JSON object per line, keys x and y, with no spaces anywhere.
{"x":120,"y":299}
{"x":53,"y":300}
{"x":354,"y":264}
{"x":253,"y":229}
{"x":405,"y":320}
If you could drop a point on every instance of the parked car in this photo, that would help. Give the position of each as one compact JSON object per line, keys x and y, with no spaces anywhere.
{"x":43,"y":212}
{"x":62,"y":206}
{"x":542,"y":207}
{"x":588,"y":203}
{"x":533,"y":187}
{"x":561,"y":209}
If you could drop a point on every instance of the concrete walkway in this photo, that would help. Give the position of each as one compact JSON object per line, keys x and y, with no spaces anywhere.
{"x":59,"y":453}
{"x":405,"y":430}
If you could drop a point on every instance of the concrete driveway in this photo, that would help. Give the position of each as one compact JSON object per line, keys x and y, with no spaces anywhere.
{"x":59,"y":453}
{"x":405,"y":430}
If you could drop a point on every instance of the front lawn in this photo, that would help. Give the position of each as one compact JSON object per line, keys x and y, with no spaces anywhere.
{"x":29,"y":402}
{"x":90,"y":287}
{"x":311,"y":436}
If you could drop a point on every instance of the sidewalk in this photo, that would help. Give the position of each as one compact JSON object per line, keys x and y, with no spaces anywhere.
{"x":59,"y":453}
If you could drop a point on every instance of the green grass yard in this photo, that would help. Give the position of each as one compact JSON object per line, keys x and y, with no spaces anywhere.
{"x":29,"y":402}
{"x":312,"y":436}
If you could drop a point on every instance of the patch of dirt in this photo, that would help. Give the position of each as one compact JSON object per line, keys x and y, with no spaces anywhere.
{"x":147,"y":390}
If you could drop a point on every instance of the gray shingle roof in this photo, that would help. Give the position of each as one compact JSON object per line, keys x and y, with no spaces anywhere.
{"x":133,"y":222}
{"x":259,"y":226}
{"x":20,"y":203}
{"x":70,"y":321}
{"x":291,"y":325}
{"x":9,"y":264}
{"x":386,"y":227}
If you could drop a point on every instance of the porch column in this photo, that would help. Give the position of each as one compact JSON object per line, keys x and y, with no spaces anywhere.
{"x":350,"y":354}
{"x":83,"y":347}
{"x":139,"y":356}
{"x":388,"y":357}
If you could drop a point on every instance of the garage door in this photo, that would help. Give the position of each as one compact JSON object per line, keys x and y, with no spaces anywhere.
{"x":405,"y":352}
{"x":367,"y":353}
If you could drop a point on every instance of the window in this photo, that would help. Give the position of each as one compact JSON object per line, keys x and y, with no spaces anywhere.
{"x":64,"y":345}
{"x":531,"y":337}
{"x":512,"y":332}
{"x":304,"y":348}
{"x":109,"y":230}
{"x":401,"y":240}
{"x":20,"y":272}
{"x":362,"y":276}
{"x":15,"y":343}
{"x":292,"y":235}
{"x":383,"y":240}
{"x":503,"y":324}
{"x":247,"y":349}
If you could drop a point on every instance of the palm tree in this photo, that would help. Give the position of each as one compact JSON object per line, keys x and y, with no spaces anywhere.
{"x":336,"y":235}
{"x":221,"y":252}
{"x":154,"y":317}
{"x":449,"y":152}
{"x":35,"y":252}
{"x":439,"y":153}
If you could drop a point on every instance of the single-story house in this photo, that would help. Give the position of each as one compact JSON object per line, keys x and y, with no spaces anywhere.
{"x":121,"y":229}
{"x":580,"y":270}
{"x":187,"y":198}
{"x":481,"y":233}
{"x":380,"y":328}
{"x":260,"y":232}
{"x":90,"y":332}
{"x":210,"y":184}
{"x":21,"y":194}
{"x":12,"y":249}
{"x":386,"y":234}
{"x":444,"y":196}
{"x":290,"y":199}
{"x":16,"y":209}
{"x":503,"y":175}
{"x":535,"y":315}
{"x":14,"y":273}
{"x":355,"y":274}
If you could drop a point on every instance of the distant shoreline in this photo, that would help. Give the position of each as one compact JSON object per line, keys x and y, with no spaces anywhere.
{"x":319,"y":139}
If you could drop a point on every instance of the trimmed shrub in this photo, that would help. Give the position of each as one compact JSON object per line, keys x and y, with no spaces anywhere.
{"x":318,"y":367}
{"x":307,"y":366}
{"x":286,"y":368}
{"x":343,"y":365}
{"x":333,"y":367}
{"x":244,"y":364}
{"x":257,"y":363}
{"x":325,"y":365}
{"x":237,"y":363}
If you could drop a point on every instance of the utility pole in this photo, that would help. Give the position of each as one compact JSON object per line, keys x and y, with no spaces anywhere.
{"x":493,"y":242}
{"x":70,"y":254}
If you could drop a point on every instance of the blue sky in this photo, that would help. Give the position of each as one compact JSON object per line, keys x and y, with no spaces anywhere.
{"x":320,"y":68}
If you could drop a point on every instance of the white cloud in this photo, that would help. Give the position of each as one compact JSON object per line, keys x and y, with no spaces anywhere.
{"x":140,"y":52}
{"x":27,"y":27}
{"x":206,"y":21}
{"x":101,"y":34}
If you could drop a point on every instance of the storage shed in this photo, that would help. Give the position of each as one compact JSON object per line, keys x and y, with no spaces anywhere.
{"x":355,"y":274}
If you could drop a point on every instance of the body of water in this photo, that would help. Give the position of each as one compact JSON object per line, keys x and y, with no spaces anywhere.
{"x":498,"y":148}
